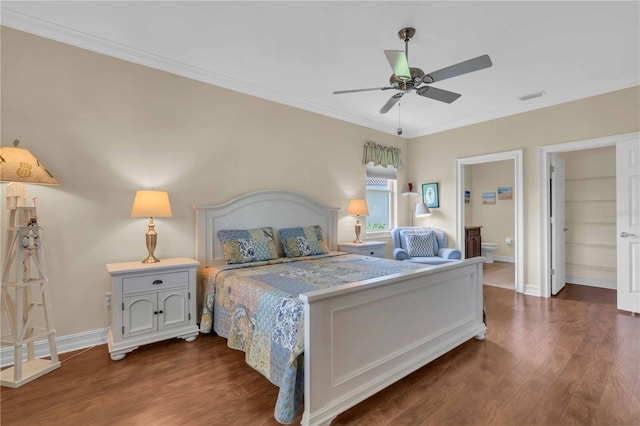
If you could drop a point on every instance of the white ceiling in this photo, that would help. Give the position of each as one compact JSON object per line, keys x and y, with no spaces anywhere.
{"x":298,"y":53}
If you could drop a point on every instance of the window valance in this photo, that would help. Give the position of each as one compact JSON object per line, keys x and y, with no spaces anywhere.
{"x":381,"y":155}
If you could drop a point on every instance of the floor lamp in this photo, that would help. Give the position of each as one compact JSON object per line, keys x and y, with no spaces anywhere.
{"x":25,"y":287}
{"x":410,"y":194}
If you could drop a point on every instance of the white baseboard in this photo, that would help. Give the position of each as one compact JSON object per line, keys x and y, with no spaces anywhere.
{"x":591,"y":282}
{"x":532,"y":290}
{"x":72,"y":342}
{"x":507,"y":259}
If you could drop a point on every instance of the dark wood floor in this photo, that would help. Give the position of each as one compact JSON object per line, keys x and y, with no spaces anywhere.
{"x":573,"y":359}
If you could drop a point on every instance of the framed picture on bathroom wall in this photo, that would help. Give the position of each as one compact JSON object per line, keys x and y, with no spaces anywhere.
{"x":505,"y":193}
{"x":488,"y":198}
{"x":430,"y":195}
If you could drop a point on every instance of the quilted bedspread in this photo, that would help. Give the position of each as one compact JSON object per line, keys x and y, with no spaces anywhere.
{"x":256,"y":307}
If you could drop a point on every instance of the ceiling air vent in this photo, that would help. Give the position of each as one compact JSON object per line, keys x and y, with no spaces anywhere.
{"x":532,"y":95}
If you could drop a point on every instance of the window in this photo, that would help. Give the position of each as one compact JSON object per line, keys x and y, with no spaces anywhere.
{"x":381,"y":198}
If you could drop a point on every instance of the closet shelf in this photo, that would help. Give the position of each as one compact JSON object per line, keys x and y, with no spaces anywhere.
{"x":592,"y":267}
{"x":592,"y":245}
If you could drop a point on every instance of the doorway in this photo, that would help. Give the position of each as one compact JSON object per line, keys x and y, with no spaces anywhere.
{"x":547,"y":153}
{"x":516,"y":158}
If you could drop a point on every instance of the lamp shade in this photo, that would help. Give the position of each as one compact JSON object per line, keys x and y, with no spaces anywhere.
{"x":358,"y":207}
{"x":151,"y":204}
{"x":20,"y":165}
{"x":422,"y":210}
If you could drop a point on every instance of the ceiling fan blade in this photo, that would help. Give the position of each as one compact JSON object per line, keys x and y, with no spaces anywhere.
{"x":437,"y":94}
{"x":464,"y":67}
{"x":398,"y":61}
{"x":391,"y":102}
{"x":339,"y":92}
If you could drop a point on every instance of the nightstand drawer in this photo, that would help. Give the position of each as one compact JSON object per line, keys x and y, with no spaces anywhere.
{"x":155,"y":282}
{"x":372,"y":251}
{"x":365,"y":248}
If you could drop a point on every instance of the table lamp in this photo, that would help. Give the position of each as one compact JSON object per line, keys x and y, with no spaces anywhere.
{"x":358,"y":207}
{"x":151,"y":204}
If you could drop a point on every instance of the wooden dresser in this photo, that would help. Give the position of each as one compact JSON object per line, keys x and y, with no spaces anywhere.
{"x":472,"y":241}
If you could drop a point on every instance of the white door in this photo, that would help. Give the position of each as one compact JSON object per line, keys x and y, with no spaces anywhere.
{"x":558,"y":227}
{"x":628,"y":224}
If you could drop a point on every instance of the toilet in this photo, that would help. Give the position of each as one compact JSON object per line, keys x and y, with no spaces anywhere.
{"x":487,"y":251}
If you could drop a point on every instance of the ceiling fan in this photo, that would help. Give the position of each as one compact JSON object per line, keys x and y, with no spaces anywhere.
{"x":406,"y":79}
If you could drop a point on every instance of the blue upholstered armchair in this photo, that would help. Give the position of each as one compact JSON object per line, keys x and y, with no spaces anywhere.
{"x":428,"y":246}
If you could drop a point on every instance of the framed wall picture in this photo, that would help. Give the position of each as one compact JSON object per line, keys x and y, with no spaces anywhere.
{"x":505,"y":193}
{"x":488,"y":198}
{"x":430,"y":195}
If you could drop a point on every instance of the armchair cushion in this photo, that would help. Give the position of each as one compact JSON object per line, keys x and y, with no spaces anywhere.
{"x":433,"y":260}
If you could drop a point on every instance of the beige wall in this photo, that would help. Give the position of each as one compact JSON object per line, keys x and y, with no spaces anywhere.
{"x":106,"y":128}
{"x":590,"y":199}
{"x":608,"y":114}
{"x":497,"y":220}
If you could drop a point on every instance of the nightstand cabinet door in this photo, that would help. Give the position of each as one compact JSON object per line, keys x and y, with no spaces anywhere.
{"x":138,"y":315}
{"x":173,"y":309}
{"x":151,"y":312}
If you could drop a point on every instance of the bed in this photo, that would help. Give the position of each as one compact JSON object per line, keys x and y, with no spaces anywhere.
{"x":352,"y":339}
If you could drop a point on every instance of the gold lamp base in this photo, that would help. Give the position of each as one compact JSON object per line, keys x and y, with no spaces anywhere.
{"x":152,"y":240}
{"x":358,"y":229}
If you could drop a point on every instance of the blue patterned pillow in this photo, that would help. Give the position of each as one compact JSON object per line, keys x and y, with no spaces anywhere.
{"x":247,"y":245}
{"x":303,"y":241}
{"x":422,"y":245}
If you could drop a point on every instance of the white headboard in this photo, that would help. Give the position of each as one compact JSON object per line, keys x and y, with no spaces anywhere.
{"x":278,"y":209}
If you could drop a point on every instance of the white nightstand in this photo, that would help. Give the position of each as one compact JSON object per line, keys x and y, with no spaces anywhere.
{"x":151,"y":302}
{"x":365,"y":248}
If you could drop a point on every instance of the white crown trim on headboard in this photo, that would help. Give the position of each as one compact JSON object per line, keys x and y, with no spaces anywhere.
{"x":275,"y":208}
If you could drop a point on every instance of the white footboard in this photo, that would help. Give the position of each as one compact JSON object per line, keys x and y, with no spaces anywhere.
{"x":364,"y":336}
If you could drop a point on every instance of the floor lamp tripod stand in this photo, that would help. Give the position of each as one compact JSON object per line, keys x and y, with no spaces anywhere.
{"x":25,"y":295}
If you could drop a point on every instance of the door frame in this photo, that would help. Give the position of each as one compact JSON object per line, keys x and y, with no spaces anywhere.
{"x":544,"y":176}
{"x":518,"y":196}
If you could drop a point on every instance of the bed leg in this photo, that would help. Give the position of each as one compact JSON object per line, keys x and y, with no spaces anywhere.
{"x":480,"y":336}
